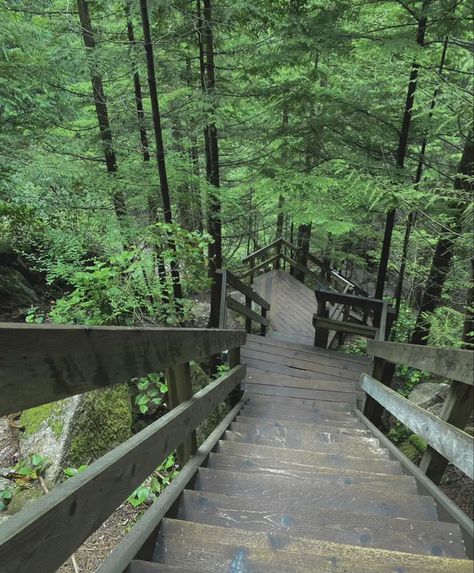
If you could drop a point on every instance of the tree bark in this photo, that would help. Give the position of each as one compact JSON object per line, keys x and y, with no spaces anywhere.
{"x":304,"y":236}
{"x":419,"y":173}
{"x":401,"y":153}
{"x":160,"y":150}
{"x":212,"y":157}
{"x":444,"y":252}
{"x":100,"y":103}
{"x":468,"y":330}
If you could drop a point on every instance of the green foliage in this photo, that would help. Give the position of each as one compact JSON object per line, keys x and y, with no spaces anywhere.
{"x":445,"y":327}
{"x":356,"y":345}
{"x":410,"y":378}
{"x":404,"y":325}
{"x":6,"y":496}
{"x":71,"y":472}
{"x":152,"y":487}
{"x":152,"y":390}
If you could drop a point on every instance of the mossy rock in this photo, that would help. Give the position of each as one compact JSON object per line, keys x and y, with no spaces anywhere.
{"x":77,"y":430}
{"x":23,"y":497}
{"x":102,"y":422}
{"x":15,"y":289}
{"x":411,"y":452}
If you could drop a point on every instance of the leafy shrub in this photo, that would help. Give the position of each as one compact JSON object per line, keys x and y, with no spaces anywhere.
{"x":151,"y":392}
{"x":151,"y":488}
{"x":445,"y":326}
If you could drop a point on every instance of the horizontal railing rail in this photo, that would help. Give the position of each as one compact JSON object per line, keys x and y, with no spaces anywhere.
{"x":228,"y":279}
{"x":44,"y":534}
{"x":447,"y":442}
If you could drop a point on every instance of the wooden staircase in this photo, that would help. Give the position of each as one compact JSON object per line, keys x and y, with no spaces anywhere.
{"x":298,"y":483}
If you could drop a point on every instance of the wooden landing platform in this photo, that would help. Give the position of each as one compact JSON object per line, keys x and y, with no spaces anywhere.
{"x":298,"y":484}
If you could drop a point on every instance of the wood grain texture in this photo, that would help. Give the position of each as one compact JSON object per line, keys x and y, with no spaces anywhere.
{"x":42,"y":537}
{"x":246,"y":311}
{"x":229,"y":550}
{"x":246,"y":290}
{"x":451,"y":363}
{"x":451,"y":442}
{"x":302,"y":520}
{"x":44,"y":363}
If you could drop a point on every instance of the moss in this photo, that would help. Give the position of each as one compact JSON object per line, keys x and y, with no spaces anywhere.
{"x":199,"y":378}
{"x":103,"y":422}
{"x":418,"y":442}
{"x":410,"y":451}
{"x":33,"y":418}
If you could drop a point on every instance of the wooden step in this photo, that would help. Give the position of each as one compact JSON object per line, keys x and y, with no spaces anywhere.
{"x":229,"y":550}
{"x":294,"y":435}
{"x":328,"y":460}
{"x":295,"y":392}
{"x":298,"y":404}
{"x":275,"y":379}
{"x":294,"y":425}
{"x":405,"y":484}
{"x":356,"y":499}
{"x":309,"y":444}
{"x":306,"y":415}
{"x":411,"y":536}
{"x":147,"y":567}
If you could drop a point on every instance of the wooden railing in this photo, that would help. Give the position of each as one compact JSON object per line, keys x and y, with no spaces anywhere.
{"x":447,"y":442}
{"x":251,"y":296}
{"x":44,"y":363}
{"x":378,"y":311}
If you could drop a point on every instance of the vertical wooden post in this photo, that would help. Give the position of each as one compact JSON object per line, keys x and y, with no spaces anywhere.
{"x":276,"y":262}
{"x":321,"y":335}
{"x":456,"y":411}
{"x":223,"y":300}
{"x":263,"y":328}
{"x":382,"y":371}
{"x":248,"y":321}
{"x":234,"y":360}
{"x":179,"y":390}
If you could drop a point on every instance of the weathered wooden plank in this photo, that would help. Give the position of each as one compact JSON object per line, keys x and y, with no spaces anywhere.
{"x":248,"y":312}
{"x":274,"y":379}
{"x":246,"y":290}
{"x":216,"y":549}
{"x":344,"y":326}
{"x":302,"y":268}
{"x":292,"y":392}
{"x":454,"y":444}
{"x":350,"y":299}
{"x":42,"y":536}
{"x":44,"y":363}
{"x":134,"y":545}
{"x":259,"y":266}
{"x":451,"y":363}
{"x":302,"y":520}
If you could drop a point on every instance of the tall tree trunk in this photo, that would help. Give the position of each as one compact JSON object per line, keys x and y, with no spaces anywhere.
{"x":401,"y":152}
{"x":445,"y":248}
{"x":206,"y":48}
{"x":304,"y":236}
{"x":100,"y":103}
{"x":419,"y":173}
{"x":160,"y":150}
{"x":279,"y":228}
{"x":468,"y":330}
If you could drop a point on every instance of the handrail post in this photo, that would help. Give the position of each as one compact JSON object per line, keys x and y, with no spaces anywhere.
{"x":263,"y":328}
{"x":180,"y":389}
{"x":248,"y":321}
{"x":321,"y":335}
{"x":223,"y":300}
{"x":456,"y":411}
{"x":276,"y":262}
{"x":233,"y":361}
{"x":382,"y":371}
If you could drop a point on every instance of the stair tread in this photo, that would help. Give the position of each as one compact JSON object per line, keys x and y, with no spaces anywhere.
{"x":326,"y":459}
{"x":296,"y":405}
{"x":357,"y":499}
{"x":301,"y":426}
{"x":308,"y":443}
{"x":292,"y":435}
{"x":270,"y":466}
{"x":228,"y":550}
{"x":426,"y":537}
{"x":138,"y":566}
{"x":307,"y":416}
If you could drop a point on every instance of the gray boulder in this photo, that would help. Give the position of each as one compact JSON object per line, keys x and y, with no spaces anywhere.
{"x":428,"y":394}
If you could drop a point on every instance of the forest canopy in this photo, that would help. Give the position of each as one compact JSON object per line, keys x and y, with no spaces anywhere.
{"x":144,"y":144}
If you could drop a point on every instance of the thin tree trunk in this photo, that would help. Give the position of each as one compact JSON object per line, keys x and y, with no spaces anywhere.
{"x":279,"y":228}
{"x":206,"y":52}
{"x":304,"y":236}
{"x":160,"y":150}
{"x":419,"y":173}
{"x":401,"y":153}
{"x":468,"y":330}
{"x":100,"y":103}
{"x":444,"y":252}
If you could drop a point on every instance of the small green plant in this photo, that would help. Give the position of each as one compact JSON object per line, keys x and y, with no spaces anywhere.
{"x":33,"y":316}
{"x":30,"y":469}
{"x":411,"y":378}
{"x":404,"y":325}
{"x":357,"y":345}
{"x":151,"y":488}
{"x":151,"y":392}
{"x":71,"y":472}
{"x":6,"y":495}
{"x":221,"y":370}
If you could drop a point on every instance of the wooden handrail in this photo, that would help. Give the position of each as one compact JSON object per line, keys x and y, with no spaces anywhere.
{"x":260,"y":266}
{"x":324,"y":295}
{"x":451,"y":363}
{"x":42,"y":536}
{"x":44,"y":363}
{"x":262,"y":250}
{"x":235,"y":282}
{"x":452,"y":443}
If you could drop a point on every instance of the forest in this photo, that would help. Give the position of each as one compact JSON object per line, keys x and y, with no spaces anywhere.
{"x":146,"y":145}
